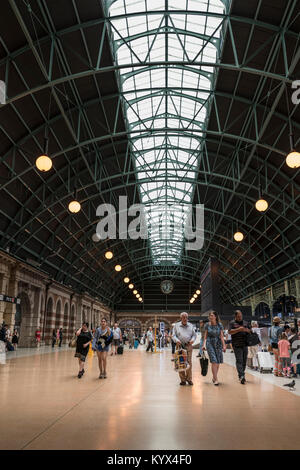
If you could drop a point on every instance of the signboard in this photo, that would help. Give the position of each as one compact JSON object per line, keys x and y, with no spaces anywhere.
{"x":11,"y":300}
{"x":162,"y":331}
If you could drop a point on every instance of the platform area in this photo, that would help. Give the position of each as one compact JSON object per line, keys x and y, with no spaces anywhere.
{"x":140,"y":406}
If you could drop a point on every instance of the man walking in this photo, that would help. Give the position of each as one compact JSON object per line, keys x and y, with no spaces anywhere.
{"x":184,"y":336}
{"x":117,"y":338}
{"x":150,"y":340}
{"x":238,"y":329}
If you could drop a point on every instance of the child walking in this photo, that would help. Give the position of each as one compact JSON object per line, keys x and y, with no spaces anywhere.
{"x":284,"y":354}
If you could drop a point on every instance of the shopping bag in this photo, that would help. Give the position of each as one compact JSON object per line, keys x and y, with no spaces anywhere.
{"x":204,"y":364}
{"x":180,"y":360}
{"x":73,"y":342}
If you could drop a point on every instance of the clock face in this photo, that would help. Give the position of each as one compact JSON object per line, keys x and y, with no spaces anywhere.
{"x":166,"y":286}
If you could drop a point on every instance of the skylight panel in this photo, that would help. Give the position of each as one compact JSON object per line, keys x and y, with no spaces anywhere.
{"x":165,"y":99}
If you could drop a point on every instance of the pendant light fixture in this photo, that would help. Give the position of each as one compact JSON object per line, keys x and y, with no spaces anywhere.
{"x":238,"y":236}
{"x":118,"y":268}
{"x":293,"y":157}
{"x":126,"y":280}
{"x":261,"y":204}
{"x":109,"y":255}
{"x":74,"y":206}
{"x":44,"y":162}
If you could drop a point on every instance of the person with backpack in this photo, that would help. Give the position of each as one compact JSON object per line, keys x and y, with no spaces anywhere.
{"x":274,"y":335}
{"x":254,"y":342}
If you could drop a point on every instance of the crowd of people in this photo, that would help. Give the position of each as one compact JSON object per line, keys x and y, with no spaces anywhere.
{"x":241,"y":338}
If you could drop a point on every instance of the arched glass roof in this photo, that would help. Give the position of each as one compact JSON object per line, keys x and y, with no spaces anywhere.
{"x":164,"y":102}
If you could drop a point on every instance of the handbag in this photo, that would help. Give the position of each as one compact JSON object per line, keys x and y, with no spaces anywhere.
{"x":73,"y":342}
{"x":252,"y":339}
{"x":204,"y":364}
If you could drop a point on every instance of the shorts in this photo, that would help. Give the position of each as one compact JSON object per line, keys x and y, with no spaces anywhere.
{"x":228,"y":341}
{"x":100,"y":349}
{"x":80,"y":356}
{"x":286,"y":362}
{"x":116,"y":342}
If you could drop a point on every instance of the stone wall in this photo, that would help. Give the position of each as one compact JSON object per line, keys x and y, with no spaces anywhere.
{"x":45,"y":304}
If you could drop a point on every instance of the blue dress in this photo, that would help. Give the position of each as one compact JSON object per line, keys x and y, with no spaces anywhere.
{"x":213,"y":343}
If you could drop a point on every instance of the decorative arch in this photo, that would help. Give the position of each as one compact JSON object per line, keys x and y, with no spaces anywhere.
{"x":131,"y":323}
{"x":285,"y":305}
{"x":262,"y":310}
{"x":151,"y":322}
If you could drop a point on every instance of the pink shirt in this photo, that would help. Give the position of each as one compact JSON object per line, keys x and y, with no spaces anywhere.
{"x":284,"y":346}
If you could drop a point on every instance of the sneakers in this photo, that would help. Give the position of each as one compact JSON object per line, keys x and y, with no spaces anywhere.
{"x":243,"y":380}
{"x":101,"y":376}
{"x":190,"y":382}
{"x":182,"y":383}
{"x":104,"y":375}
{"x":80,"y":374}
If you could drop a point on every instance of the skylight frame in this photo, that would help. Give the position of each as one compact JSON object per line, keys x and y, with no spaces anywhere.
{"x":153,"y":106}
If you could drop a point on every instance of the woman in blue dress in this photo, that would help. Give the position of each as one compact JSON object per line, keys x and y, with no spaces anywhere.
{"x":214,"y":343}
{"x":102,"y":339}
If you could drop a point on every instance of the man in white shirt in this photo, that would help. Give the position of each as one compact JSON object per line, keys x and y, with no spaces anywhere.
{"x":184,"y":336}
{"x":117,"y":338}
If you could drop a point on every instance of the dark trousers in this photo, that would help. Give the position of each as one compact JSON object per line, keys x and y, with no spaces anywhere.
{"x":53,"y":342}
{"x":60,"y":341}
{"x":150,"y":345}
{"x":241,"y":355}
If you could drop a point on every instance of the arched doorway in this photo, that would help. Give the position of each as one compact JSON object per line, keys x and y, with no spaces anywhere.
{"x":262,"y":310}
{"x":285,"y":306}
{"x":23,"y":322}
{"x":48,"y":322}
{"x":131,"y":324}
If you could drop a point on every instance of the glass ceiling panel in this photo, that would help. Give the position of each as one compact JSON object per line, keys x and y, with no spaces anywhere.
{"x":166,"y":104}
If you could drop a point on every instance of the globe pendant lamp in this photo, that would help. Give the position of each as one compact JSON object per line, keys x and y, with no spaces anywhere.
{"x":238,"y":236}
{"x":74,"y":206}
{"x":108,"y":255}
{"x":293,"y":158}
{"x":44,"y":162}
{"x":261,"y":204}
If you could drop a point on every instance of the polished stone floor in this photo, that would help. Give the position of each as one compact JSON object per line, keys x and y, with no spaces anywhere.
{"x":140,"y":405}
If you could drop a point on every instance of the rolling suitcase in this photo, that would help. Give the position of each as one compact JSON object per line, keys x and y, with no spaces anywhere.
{"x":120,"y":349}
{"x":265,"y":362}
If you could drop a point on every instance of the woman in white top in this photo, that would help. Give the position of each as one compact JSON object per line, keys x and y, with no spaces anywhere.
{"x":253,"y":350}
